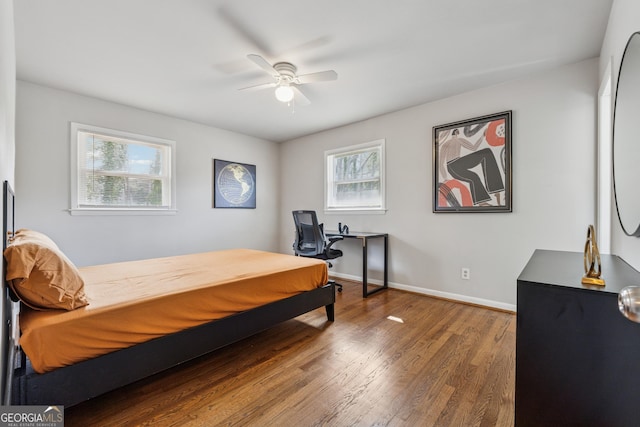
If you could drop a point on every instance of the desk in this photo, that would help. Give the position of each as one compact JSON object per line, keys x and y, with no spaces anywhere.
{"x":365,"y":237}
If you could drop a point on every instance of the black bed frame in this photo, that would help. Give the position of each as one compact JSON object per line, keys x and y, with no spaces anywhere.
{"x":74,"y":384}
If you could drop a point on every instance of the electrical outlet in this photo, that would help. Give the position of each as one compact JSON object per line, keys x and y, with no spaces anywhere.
{"x":465,"y":273}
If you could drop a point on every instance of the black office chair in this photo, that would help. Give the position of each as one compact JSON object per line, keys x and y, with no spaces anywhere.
{"x":311,"y":242}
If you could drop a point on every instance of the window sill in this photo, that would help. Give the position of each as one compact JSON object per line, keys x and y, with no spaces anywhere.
{"x":101,"y":211}
{"x":355,"y":211}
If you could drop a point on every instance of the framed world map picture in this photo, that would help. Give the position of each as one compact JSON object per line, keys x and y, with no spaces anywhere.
{"x":234,"y":185}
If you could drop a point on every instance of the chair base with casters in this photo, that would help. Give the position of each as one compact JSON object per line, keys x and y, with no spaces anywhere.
{"x":311,"y":242}
{"x":337,"y":285}
{"x":334,"y":253}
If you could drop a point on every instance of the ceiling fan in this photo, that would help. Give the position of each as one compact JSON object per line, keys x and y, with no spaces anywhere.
{"x":287,"y":82}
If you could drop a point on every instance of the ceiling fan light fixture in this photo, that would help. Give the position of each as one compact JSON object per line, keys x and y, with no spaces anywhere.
{"x":287,"y":83}
{"x":284,"y":93}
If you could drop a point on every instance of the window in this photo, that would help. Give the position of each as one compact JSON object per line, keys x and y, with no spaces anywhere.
{"x":355,"y":178}
{"x":120,"y":172}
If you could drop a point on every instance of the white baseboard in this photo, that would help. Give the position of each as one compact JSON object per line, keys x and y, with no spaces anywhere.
{"x":434,"y":293}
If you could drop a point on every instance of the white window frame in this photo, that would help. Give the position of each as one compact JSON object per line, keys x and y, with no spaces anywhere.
{"x":329,"y":155}
{"x":76,"y":209}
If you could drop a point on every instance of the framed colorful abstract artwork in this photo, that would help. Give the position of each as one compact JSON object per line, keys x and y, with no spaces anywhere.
{"x":472,"y":165}
{"x":234,"y":185}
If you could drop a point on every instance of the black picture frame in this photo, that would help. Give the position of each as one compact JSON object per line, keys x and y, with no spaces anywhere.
{"x":472,"y":165}
{"x":234,"y":184}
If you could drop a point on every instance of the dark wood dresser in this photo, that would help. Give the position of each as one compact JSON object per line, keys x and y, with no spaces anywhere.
{"x":577,"y":356}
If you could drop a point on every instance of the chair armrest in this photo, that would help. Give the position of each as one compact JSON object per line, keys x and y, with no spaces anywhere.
{"x":334,"y":239}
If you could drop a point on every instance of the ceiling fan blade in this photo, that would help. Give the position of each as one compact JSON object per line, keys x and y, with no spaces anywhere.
{"x":300,"y":97}
{"x":262,"y":63}
{"x":244,"y":31}
{"x":260,"y":86}
{"x":322,"y":76}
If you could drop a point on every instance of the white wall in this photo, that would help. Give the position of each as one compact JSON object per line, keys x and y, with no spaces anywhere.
{"x":7,"y":92}
{"x":553,"y":187}
{"x":623,"y":21}
{"x":7,"y":130}
{"x":43,"y":186}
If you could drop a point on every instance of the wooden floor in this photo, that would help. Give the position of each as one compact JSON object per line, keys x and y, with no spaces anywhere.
{"x":445,"y":364}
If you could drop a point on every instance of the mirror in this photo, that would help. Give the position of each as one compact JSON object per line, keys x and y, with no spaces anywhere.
{"x":626,"y":139}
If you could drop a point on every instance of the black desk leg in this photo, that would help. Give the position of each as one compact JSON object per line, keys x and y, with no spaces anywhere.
{"x":365,"y":284}
{"x":365,"y":265}
{"x":386,"y":257}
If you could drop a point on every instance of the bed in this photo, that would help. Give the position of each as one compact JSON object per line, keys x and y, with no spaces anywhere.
{"x":66,"y":356}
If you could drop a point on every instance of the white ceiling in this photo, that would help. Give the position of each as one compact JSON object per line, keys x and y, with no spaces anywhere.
{"x":187,"y":58}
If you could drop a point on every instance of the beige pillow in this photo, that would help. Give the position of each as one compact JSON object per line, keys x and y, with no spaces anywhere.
{"x":41,"y":275}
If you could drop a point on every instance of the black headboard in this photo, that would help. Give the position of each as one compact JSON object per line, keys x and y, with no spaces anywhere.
{"x":8,"y":221}
{"x":7,"y":344}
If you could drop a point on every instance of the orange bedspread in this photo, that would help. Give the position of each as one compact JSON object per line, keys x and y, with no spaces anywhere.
{"x":136,"y":301}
